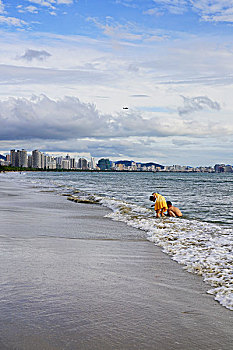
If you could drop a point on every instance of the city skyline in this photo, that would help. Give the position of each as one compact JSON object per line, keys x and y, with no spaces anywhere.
{"x":124,"y":79}
{"x":21,"y":159}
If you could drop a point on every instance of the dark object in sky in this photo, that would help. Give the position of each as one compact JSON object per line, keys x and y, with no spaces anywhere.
{"x":125,"y":108}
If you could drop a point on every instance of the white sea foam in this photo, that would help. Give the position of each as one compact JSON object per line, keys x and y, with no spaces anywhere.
{"x":205,"y":249}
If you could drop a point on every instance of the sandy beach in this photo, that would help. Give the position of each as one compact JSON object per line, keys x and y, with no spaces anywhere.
{"x":72,"y":279}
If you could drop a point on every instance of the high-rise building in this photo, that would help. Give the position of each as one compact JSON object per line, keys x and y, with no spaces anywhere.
{"x":36,"y":159}
{"x":46,"y":161}
{"x":30,"y":161}
{"x":12,"y":157}
{"x":59,"y":161}
{"x":93,"y":164}
{"x":23,"y":159}
{"x":72,"y":163}
{"x":17,"y":158}
{"x":42,"y":161}
{"x":82,"y":164}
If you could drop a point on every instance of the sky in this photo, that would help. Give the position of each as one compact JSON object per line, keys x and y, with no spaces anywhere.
{"x":69,"y":67}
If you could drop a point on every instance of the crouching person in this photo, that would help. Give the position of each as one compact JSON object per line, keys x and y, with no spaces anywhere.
{"x":173,"y":211}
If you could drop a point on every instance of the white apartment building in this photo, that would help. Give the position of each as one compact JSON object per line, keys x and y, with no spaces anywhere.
{"x":52,"y":165}
{"x":65,"y":164}
{"x":23,"y":158}
{"x":36,"y":159}
{"x":92,"y":163}
{"x":19,"y":158}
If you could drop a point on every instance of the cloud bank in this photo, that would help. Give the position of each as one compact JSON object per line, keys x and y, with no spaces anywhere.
{"x":69,"y":118}
{"x":69,"y":125}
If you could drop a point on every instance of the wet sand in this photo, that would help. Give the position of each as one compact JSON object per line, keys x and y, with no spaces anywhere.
{"x":72,"y":279}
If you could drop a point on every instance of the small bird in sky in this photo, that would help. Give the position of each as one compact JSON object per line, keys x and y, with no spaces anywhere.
{"x":125,"y":108}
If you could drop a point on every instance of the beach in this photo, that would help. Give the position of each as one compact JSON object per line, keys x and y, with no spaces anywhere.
{"x":73,"y":279}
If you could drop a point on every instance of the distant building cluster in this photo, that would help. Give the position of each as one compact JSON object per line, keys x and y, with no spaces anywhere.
{"x":218,"y":168}
{"x":39,"y":160}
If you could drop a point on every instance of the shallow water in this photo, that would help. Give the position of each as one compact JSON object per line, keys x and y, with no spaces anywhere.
{"x":206,"y":197}
{"x":202,"y":240}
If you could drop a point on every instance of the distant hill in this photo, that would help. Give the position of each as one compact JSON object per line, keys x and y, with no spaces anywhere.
{"x":2,"y":157}
{"x":129,"y":163}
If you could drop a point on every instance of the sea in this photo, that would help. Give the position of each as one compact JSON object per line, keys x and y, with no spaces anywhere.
{"x":202,"y":240}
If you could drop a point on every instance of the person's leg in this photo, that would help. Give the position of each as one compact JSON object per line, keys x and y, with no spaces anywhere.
{"x":163,"y":211}
{"x":158,"y":213}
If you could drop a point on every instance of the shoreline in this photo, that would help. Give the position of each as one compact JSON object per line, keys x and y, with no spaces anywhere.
{"x":74,"y":279}
{"x":108,"y":171}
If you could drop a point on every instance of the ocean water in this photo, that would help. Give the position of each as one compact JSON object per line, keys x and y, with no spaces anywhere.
{"x":202,"y":240}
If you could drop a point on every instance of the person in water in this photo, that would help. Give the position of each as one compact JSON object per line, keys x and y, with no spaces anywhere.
{"x":173,"y":211}
{"x":160,"y":204}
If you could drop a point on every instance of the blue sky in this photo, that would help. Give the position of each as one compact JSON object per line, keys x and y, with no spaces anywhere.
{"x":68,"y":67}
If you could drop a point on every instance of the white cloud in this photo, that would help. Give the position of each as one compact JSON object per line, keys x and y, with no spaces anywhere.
{"x":126,"y":3}
{"x":51,"y":3}
{"x":153,"y":11}
{"x":31,"y":9}
{"x":117,"y":31}
{"x":208,"y":10}
{"x":56,"y":77}
{"x":45,"y":3}
{"x":126,"y":33}
{"x":214,"y":10}
{"x":64,"y":2}
{"x":173,"y":6}
{"x":2,"y":7}
{"x":12,"y":21}
{"x":183,"y":142}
